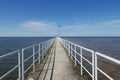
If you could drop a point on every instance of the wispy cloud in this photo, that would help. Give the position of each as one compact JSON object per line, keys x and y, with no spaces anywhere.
{"x":99,"y":27}
{"x":113,"y":22}
{"x":39,"y":25}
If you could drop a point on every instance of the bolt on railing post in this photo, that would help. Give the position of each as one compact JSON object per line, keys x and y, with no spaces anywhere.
{"x":22,"y":64}
{"x":75,"y":55}
{"x":19,"y":66}
{"x":95,"y":66}
{"x":81,"y":61}
{"x":33,"y":58}
{"x":39,"y":54}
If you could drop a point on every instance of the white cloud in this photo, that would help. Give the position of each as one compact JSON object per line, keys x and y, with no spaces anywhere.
{"x":39,"y":25}
{"x":113,"y":22}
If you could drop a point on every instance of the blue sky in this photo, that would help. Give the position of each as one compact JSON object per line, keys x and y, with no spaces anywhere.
{"x":76,"y":17}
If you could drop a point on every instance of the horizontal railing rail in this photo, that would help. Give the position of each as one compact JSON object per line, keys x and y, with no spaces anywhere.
{"x":73,"y":52}
{"x":32,"y":54}
{"x":13,"y":68}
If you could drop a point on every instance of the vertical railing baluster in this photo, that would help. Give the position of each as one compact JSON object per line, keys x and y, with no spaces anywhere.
{"x":64,"y":43}
{"x":42,"y":50}
{"x":70,"y":51}
{"x":33,"y":58}
{"x":45,"y":47}
{"x":75,"y":55}
{"x":39,"y":54}
{"x":81,"y":61}
{"x":19,"y":66}
{"x":22,"y":64}
{"x":69,"y":48}
{"x":95,"y":67}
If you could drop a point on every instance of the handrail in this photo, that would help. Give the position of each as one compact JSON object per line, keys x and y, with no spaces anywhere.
{"x":42,"y":48}
{"x":16,"y":66}
{"x":109,"y":58}
{"x":68,"y":45}
{"x":9,"y":53}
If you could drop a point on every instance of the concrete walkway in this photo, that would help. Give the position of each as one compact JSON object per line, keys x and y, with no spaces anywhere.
{"x":64,"y":68}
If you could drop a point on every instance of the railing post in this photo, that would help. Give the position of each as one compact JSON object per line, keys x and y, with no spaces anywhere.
{"x":45,"y":47}
{"x":39,"y":54}
{"x":42,"y":49}
{"x":81,"y":61}
{"x":22,"y":64}
{"x":19,"y":66}
{"x":33,"y":58}
{"x":71,"y":51}
{"x":75,"y":55}
{"x":62,"y":41}
{"x":69,"y":48}
{"x":65,"y":44}
{"x":95,"y":66}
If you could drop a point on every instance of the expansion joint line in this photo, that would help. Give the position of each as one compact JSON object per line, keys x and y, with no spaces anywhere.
{"x":53,"y":61}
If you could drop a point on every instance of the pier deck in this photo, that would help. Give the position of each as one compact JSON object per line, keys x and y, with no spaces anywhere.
{"x":58,"y":66}
{"x":64,"y":68}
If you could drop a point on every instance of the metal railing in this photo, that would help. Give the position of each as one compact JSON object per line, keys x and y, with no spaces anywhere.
{"x":27,"y":58}
{"x":13,"y":68}
{"x":75,"y":51}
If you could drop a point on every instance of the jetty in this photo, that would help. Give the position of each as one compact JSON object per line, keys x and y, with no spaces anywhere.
{"x":59,"y":59}
{"x":58,"y":66}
